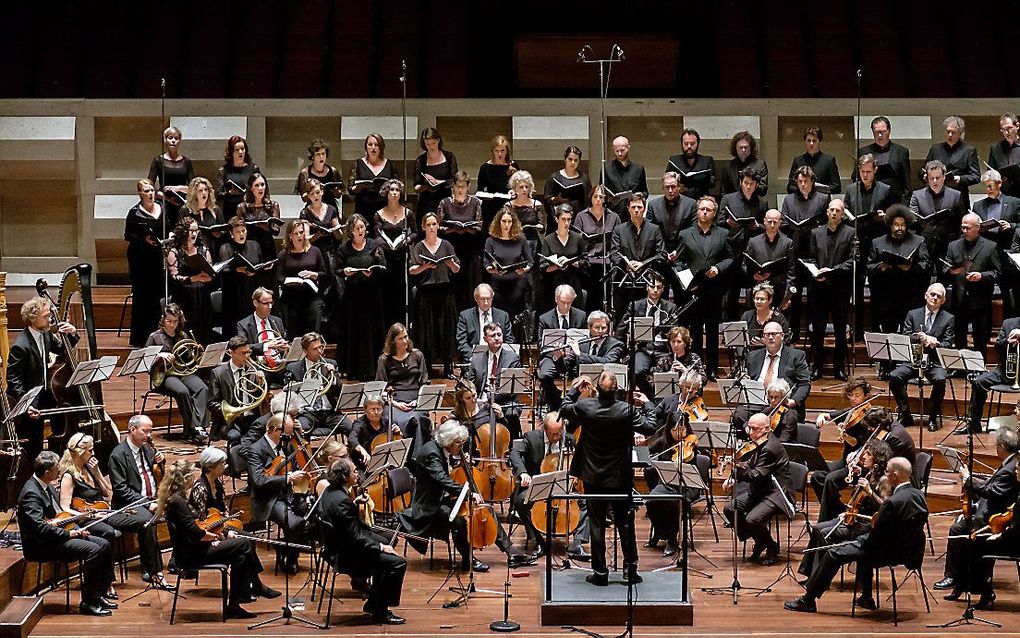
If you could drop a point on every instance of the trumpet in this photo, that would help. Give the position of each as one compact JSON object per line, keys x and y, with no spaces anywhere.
{"x":249,"y":391}
{"x":1013,"y":363}
{"x":187,"y":355}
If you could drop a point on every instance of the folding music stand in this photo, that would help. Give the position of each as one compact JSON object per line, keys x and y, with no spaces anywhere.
{"x":665,"y":384}
{"x":511,"y":381}
{"x":352,"y":395}
{"x":138,"y":361}
{"x":25,"y":402}
{"x":93,"y":371}
{"x":736,"y":339}
{"x":430,"y":398}
{"x":388,"y":455}
{"x":891,"y":347}
{"x":307,"y":390}
{"x":806,"y":455}
{"x":644,"y":329}
{"x":742,"y":392}
{"x":682,"y":476}
{"x":213,"y":355}
{"x":971,"y":363}
{"x":546,"y":487}
{"x":593,"y":370}
{"x":712,"y":435}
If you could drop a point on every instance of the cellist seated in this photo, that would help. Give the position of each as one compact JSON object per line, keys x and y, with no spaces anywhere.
{"x":546,"y":449}
{"x":435,"y":493}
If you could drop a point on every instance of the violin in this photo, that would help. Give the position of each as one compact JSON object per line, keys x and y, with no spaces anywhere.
{"x":685,"y":449}
{"x":67,"y":520}
{"x":158,"y":469}
{"x":366,"y":508}
{"x":777,"y":416}
{"x":216,"y":520}
{"x":82,"y":505}
{"x":695,"y":409}
{"x":998,"y":523}
{"x":857,"y":498}
{"x":730,"y":461}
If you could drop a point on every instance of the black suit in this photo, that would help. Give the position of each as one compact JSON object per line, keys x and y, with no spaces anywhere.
{"x":1005,"y":208}
{"x":550,"y":369}
{"x":630,"y":243}
{"x":944,"y":227}
{"x":671,"y":217}
{"x":894,"y":292}
{"x":792,"y":367}
{"x":756,"y":496}
{"x":44,"y":542}
{"x":896,"y":537}
{"x":763,"y":251}
{"x":961,"y":160}
{"x":647,"y":353}
{"x":941,"y":329}
{"x":479,"y":373}
{"x":271,"y":497}
{"x":697,"y":185}
{"x":898,"y":159}
{"x":319,"y":419}
{"x":698,"y":252}
{"x":1001,"y":155}
{"x":526,"y":456}
{"x":984,"y":381}
{"x":221,"y":390}
{"x":128,"y":487}
{"x":469,"y":333}
{"x":830,"y":294}
{"x":26,"y":370}
{"x":824,"y":166}
{"x":739,"y":236}
{"x":602,"y":462}
{"x":352,"y":549}
{"x":247,"y":328}
{"x":972,"y":300}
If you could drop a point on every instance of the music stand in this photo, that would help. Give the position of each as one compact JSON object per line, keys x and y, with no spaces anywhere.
{"x":213,"y":355}
{"x":392,"y":455}
{"x":644,"y":328}
{"x":294,"y":351}
{"x":806,"y":455}
{"x":546,"y":487}
{"x":891,"y":347}
{"x":736,"y":339}
{"x":25,"y":402}
{"x":742,"y":392}
{"x":665,"y":384}
{"x":94,"y":371}
{"x":307,"y":390}
{"x":352,"y":395}
{"x":138,"y":361}
{"x":970,"y":362}
{"x":430,"y":397}
{"x":593,"y":370}
{"x":712,"y":435}
{"x":682,"y":476}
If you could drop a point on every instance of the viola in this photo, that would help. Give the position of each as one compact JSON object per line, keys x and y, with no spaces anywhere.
{"x":67,"y":520}
{"x":857,"y":498}
{"x":216,"y":520}
{"x":686,"y":449}
{"x":82,"y":505}
{"x":695,"y":409}
{"x":998,"y":523}
{"x":777,"y":416}
{"x":366,"y":508}
{"x":158,"y":469}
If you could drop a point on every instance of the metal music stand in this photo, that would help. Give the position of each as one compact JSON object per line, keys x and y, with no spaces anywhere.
{"x":294,"y":351}
{"x":352,"y":395}
{"x":742,"y":392}
{"x":593,"y":370}
{"x":138,"y":361}
{"x":213,"y":355}
{"x":23,"y":404}
{"x":94,"y":371}
{"x":546,"y":487}
{"x":683,"y":476}
{"x":430,"y":398}
{"x":969,"y":362}
{"x":388,"y":455}
{"x":891,"y":347}
{"x":736,"y":339}
{"x":644,"y":329}
{"x":665,"y":384}
{"x":712,"y":435}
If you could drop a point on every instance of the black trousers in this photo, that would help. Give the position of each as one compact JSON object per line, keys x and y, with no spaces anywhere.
{"x":752,"y":516}
{"x":97,"y":561}
{"x":705,"y":319}
{"x":827,"y":486}
{"x":827,"y":566}
{"x":134,"y":521}
{"x":829,"y":533}
{"x":239,"y":554}
{"x":963,"y":314}
{"x":549,"y":371}
{"x":898,"y":379}
{"x":387,"y":583}
{"x":979,"y":394}
{"x":825,"y":300}
{"x":192,"y":397}
{"x":293,"y":525}
{"x":623,"y":518}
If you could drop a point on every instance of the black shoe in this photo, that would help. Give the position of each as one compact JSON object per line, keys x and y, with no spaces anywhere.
{"x":816,"y":374}
{"x":771,"y":555}
{"x":111,"y":595}
{"x":597,"y":579}
{"x":87,"y":609}
{"x":578,"y":552}
{"x":388,"y":618}
{"x":632,"y":577}
{"x":478,"y":566}
{"x":883,"y":375}
{"x":933,"y":424}
{"x":945,"y":583}
{"x":802,"y":603}
{"x":866,"y":602}
{"x":840,"y":375}
{"x":652,"y":542}
{"x":266,"y":592}
{"x":756,"y":553}
{"x":953,"y":595}
{"x":987,"y":601}
{"x":519,"y":559}
{"x":237,"y":611}
{"x":670,"y":550}
{"x":106,"y":604}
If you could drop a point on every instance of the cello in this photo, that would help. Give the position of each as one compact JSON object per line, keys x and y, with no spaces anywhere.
{"x":492,"y":473}
{"x":566,"y":517}
{"x":377,"y":487}
{"x":483,"y":526}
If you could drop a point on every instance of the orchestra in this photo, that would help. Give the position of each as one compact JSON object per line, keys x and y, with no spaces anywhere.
{"x":485,"y":274}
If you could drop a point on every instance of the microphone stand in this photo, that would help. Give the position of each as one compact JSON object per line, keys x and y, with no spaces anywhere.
{"x":407,"y":223}
{"x":587,"y":56}
{"x":162,"y":187}
{"x":855,"y":253}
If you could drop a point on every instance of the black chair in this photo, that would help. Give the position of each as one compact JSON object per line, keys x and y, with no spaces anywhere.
{"x":329,"y":564}
{"x":54,"y":577}
{"x":162,"y":397}
{"x":183,"y":567}
{"x":913,"y":564}
{"x":1012,"y":559}
{"x":922,"y":475}
{"x":808,"y":434}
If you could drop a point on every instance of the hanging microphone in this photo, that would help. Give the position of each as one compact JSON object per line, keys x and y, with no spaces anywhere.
{"x":403,"y":70}
{"x":858,"y":75}
{"x":580,"y":55}
{"x":619,"y":51}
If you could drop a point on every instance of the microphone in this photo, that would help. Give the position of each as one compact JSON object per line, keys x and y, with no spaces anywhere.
{"x":619,"y":51}
{"x":859,"y":75}
{"x":403,"y":70}
{"x":580,"y":55}
{"x":162,"y":83}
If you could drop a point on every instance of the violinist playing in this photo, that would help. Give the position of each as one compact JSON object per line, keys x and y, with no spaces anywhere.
{"x":850,"y":423}
{"x":1000,"y":537}
{"x":756,"y":496}
{"x":867,"y":488}
{"x":271,"y":495}
{"x":879,"y":424}
{"x":991,"y":496}
{"x":545,"y":449}
{"x":207,"y":494}
{"x":782,"y":419}
{"x":194,"y":545}
{"x":83,"y":487}
{"x":677,"y":443}
{"x":134,"y":466}
{"x":352,"y":548}
{"x":35,"y":349}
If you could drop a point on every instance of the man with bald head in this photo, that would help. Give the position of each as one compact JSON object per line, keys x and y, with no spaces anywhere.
{"x":775,"y":361}
{"x":831,"y":249}
{"x":769,"y":246}
{"x":972,"y":267}
{"x":622,"y":176}
{"x":934,"y":329}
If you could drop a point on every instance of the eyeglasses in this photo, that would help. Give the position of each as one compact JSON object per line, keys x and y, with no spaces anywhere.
{"x":772,"y":335}
{"x":265,"y":303}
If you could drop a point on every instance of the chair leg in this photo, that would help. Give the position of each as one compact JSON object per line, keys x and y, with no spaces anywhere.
{"x":853,"y":601}
{"x":892,"y":577}
{"x":329,"y":606}
{"x":177,"y":592}
{"x":223,"y":590}
{"x":67,"y":586}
